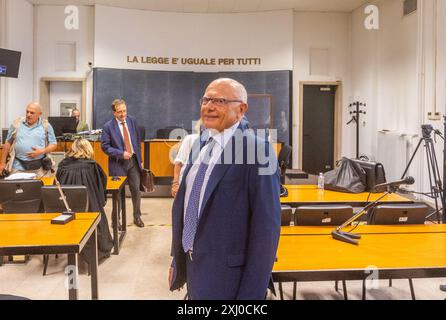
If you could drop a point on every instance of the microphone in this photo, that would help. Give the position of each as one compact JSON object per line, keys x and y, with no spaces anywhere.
{"x":91,"y":132}
{"x":353,"y":238}
{"x":67,"y":215}
{"x":395,"y":184}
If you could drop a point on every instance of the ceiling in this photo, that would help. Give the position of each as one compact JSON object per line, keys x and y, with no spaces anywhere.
{"x":219,"y":6}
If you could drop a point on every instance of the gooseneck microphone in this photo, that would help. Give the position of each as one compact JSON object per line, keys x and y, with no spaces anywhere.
{"x":353,"y":238}
{"x":408,"y":180}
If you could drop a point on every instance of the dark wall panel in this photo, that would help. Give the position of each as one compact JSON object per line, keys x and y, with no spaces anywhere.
{"x":163,"y":99}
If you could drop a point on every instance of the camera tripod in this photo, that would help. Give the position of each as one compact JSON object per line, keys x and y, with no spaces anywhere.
{"x":436,"y":185}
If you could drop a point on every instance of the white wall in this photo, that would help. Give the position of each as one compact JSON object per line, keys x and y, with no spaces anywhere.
{"x":2,"y":80}
{"x":441,"y":56}
{"x":50,"y":29}
{"x":393,"y":70}
{"x":265,"y":35}
{"x":321,"y":31}
{"x":384,"y":73}
{"x":18,"y":93}
{"x":64,"y":92}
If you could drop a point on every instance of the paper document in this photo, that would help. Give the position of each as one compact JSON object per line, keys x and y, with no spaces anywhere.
{"x":21,"y":176}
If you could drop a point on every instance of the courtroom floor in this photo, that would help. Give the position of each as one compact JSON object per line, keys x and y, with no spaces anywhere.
{"x":141,"y":269}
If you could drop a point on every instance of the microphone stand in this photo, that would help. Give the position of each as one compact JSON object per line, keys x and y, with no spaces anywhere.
{"x":64,"y":199}
{"x":352,"y":238}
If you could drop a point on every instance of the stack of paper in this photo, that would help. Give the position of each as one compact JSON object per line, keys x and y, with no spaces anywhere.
{"x":21,"y":176}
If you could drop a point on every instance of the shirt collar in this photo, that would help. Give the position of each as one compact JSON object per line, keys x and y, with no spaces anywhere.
{"x":120,"y":122}
{"x":39,"y":122}
{"x":222,"y":138}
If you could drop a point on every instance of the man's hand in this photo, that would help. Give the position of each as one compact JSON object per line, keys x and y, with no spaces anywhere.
{"x":127,"y":155}
{"x":171,"y":278}
{"x":174,"y":189}
{"x":35,"y":153}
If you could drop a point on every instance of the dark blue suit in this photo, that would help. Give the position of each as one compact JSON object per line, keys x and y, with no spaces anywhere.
{"x":238,"y":232}
{"x":113,"y":145}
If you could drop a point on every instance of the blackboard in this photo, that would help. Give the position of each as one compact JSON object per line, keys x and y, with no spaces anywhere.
{"x":168,"y":99}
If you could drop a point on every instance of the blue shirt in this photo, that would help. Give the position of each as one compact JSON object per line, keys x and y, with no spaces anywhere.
{"x":28,"y":137}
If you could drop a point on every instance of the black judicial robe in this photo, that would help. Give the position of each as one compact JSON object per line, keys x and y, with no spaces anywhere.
{"x":88,"y":173}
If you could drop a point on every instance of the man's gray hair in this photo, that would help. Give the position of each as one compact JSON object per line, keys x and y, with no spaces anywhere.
{"x":36,"y":105}
{"x":237,"y":86}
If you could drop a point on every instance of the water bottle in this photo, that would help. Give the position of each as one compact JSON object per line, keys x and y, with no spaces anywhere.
{"x":320,"y":181}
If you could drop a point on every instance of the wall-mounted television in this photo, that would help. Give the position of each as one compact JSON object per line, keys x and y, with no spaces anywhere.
{"x":9,"y":63}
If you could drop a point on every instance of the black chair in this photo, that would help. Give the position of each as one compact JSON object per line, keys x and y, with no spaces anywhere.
{"x":77,"y":199}
{"x":323,"y":215}
{"x":390,"y":214}
{"x":287,"y":213}
{"x":397,"y":214}
{"x":284,"y":159}
{"x":20,"y":196}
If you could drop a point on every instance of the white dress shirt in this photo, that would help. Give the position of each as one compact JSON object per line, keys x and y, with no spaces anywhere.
{"x":184,"y":152}
{"x":221,"y":139}
{"x":121,"y":128}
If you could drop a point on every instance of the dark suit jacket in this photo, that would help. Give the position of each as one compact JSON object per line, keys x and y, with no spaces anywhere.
{"x":113,"y":145}
{"x":237,"y":236}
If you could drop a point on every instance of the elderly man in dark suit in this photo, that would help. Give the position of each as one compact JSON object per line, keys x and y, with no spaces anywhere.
{"x":122,"y":143}
{"x":226,"y":215}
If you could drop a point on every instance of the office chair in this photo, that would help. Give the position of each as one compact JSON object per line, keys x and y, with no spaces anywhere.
{"x":20,"y":196}
{"x":397,"y":214}
{"x":287,"y":213}
{"x":323,"y":215}
{"x":77,"y":199}
{"x":284,"y":159}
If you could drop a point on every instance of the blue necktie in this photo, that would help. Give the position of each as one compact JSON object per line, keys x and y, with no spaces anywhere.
{"x":191,"y":217}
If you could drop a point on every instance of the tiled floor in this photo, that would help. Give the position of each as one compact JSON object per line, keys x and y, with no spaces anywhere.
{"x":141,"y":269}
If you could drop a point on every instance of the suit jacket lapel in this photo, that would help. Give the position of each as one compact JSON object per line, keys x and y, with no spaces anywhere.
{"x":217,"y":174}
{"x":132,"y":130}
{"x":118,"y":133}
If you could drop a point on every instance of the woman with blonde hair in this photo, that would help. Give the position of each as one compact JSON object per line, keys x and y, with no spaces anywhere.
{"x":78,"y":168}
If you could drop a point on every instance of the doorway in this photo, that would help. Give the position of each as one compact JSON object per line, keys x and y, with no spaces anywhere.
{"x":320,"y":127}
{"x":59,"y":95}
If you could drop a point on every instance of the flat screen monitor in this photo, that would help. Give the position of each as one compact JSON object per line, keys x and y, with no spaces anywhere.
{"x":4,"y":135}
{"x":9,"y":63}
{"x":63,"y":125}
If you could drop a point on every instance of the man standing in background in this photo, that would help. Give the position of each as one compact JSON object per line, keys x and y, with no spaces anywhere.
{"x":122,"y":143}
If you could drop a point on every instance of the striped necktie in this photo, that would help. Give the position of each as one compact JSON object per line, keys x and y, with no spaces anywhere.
{"x":191,"y":216}
{"x":127,"y":144}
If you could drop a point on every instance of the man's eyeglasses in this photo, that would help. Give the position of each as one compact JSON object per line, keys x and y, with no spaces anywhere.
{"x":217,"y":101}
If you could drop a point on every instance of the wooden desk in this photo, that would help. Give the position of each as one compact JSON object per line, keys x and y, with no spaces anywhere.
{"x":158,"y":157}
{"x":33,"y":234}
{"x":391,"y":252}
{"x":310,"y":195}
{"x":117,"y":191}
{"x":99,"y":156}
